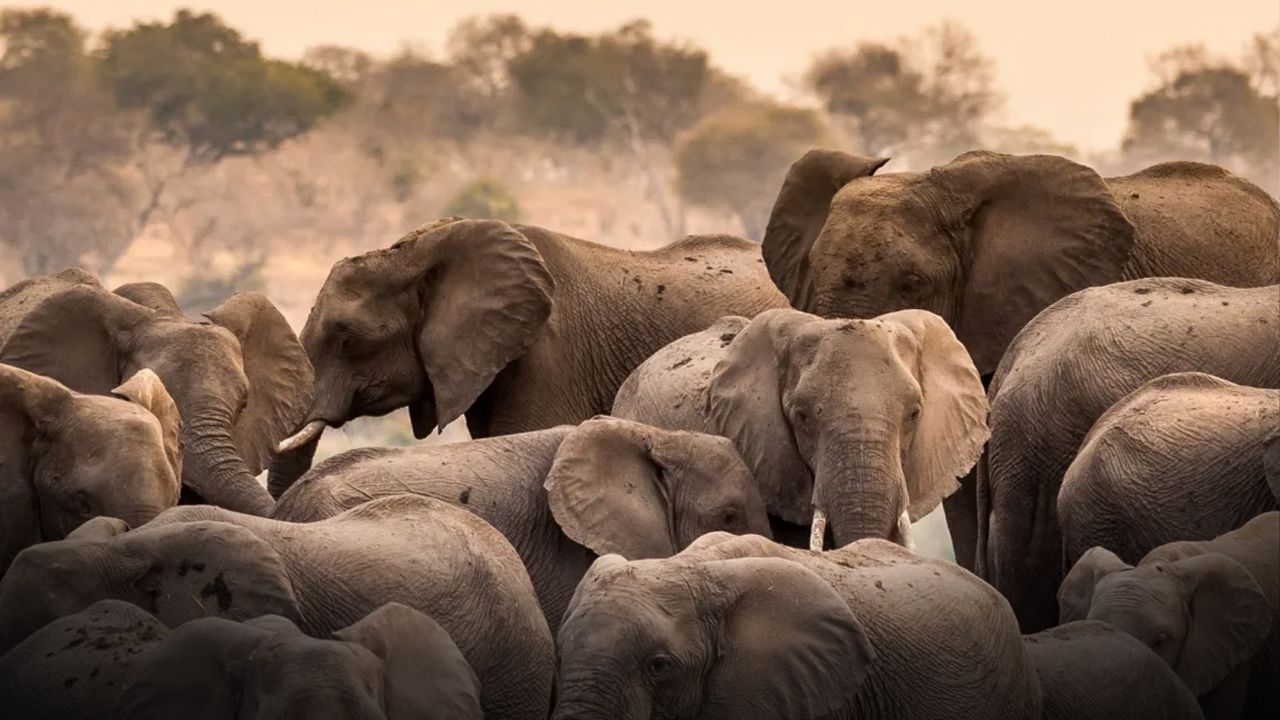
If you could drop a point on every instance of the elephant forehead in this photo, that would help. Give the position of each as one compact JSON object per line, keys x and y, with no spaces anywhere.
{"x":110,"y":417}
{"x":1141,"y":601}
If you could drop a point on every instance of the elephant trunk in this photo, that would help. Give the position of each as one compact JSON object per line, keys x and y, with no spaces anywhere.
{"x":330,"y":406}
{"x":285,"y":469}
{"x":859,"y":490}
{"x":214,"y":469}
{"x":582,"y":696}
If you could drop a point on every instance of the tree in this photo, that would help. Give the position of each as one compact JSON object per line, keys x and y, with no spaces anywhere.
{"x":484,"y":199}
{"x":482,"y":48}
{"x":736,"y":159}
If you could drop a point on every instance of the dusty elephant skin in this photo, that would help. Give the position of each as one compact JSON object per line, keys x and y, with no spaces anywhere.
{"x":1211,"y":610}
{"x":239,"y":377}
{"x":560,"y":496}
{"x":518,"y":327}
{"x":1063,"y":371}
{"x":739,"y":627}
{"x":193,"y":562}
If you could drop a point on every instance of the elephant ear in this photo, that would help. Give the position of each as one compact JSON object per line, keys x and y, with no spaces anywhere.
{"x":75,"y":336}
{"x":790,"y":647}
{"x":744,"y":404}
{"x":146,"y":389}
{"x":951,"y":429}
{"x":423,"y":668}
{"x":1036,"y":228}
{"x":800,"y":211}
{"x":486,"y":297}
{"x":152,"y":295}
{"x":609,"y":494}
{"x":1229,"y":619}
{"x":1075,"y":595}
{"x":26,"y":402}
{"x":280,"y":375}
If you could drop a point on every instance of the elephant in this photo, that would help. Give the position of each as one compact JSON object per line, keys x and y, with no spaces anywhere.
{"x":1062,"y":372}
{"x":197,"y":561}
{"x":560,"y":496}
{"x":741,"y":627}
{"x":1210,"y":609}
{"x":1180,"y":458}
{"x":1090,"y":670}
{"x":67,"y":457}
{"x":517,"y":327}
{"x":860,"y":424}
{"x":240,"y":378}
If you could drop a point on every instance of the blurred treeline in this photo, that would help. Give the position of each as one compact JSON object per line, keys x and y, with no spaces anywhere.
{"x":177,"y":151}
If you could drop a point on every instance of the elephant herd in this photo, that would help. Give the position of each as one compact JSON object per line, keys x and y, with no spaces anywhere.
{"x":694,"y":471}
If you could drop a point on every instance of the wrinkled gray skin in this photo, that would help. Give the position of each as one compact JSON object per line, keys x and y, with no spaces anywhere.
{"x":865,"y":420}
{"x":740,"y":627}
{"x":1180,"y":458}
{"x":518,"y":327}
{"x":560,"y":496}
{"x":199,"y":561}
{"x":239,"y":377}
{"x":1210,"y":609}
{"x":67,"y":457}
{"x":1090,"y":670}
{"x":989,"y":240}
{"x":1064,"y":370}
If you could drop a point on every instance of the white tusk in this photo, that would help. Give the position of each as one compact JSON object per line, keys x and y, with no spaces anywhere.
{"x":819,"y":532}
{"x":904,"y":531}
{"x":309,"y":432}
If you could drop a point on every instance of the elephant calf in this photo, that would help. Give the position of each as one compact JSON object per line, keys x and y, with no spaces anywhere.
{"x":865,"y":424}
{"x":1180,"y":458}
{"x":1210,"y":609}
{"x":115,"y":661}
{"x":560,"y":496}
{"x":193,"y":562}
{"x":67,"y":457}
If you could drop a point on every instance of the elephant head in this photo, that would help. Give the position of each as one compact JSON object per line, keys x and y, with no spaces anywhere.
{"x":867,"y":423}
{"x":745,"y":637}
{"x":395,"y":663}
{"x":67,"y":457}
{"x":622,"y":487}
{"x":427,"y":323}
{"x":239,"y":379}
{"x":1204,"y":614}
{"x":986,"y":241}
{"x":177,"y":572}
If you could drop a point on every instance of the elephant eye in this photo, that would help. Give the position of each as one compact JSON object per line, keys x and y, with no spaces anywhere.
{"x":730,"y":517}
{"x":660,"y":666}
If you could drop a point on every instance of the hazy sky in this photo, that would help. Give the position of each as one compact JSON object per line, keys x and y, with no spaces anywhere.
{"x":1070,"y":66}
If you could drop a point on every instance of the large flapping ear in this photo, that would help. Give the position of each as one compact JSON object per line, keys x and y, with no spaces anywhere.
{"x":790,"y":645}
{"x":1036,"y":228}
{"x":1229,"y":619}
{"x":281,"y":380}
{"x":951,"y":429}
{"x":422,"y":667}
{"x":152,"y":295}
{"x":74,"y":336}
{"x":608,"y":494}
{"x":486,"y":295}
{"x":26,"y":401}
{"x":800,"y":211}
{"x":1075,"y":595}
{"x":146,"y":389}
{"x":744,"y":404}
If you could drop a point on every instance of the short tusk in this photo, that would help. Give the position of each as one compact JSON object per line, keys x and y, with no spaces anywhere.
{"x":309,"y":432}
{"x":904,"y":531}
{"x":819,"y":532}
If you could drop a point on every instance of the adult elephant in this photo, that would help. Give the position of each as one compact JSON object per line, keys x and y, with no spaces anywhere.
{"x":199,"y":561}
{"x":1180,"y":458}
{"x":739,"y":627}
{"x":560,"y":496}
{"x":239,"y":377}
{"x":1064,"y":370}
{"x":989,"y":240}
{"x":518,"y":327}
{"x":862,"y":424}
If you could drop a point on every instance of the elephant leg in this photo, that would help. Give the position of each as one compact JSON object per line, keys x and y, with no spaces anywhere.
{"x":962,"y":520}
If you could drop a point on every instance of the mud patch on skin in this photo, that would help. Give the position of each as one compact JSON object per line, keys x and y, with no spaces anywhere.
{"x":187,"y":566}
{"x":681,"y":364}
{"x":727,"y":338}
{"x":465,"y":497}
{"x":218,"y":589}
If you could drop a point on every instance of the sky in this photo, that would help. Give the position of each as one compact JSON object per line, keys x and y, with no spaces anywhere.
{"x":1069,"y":67}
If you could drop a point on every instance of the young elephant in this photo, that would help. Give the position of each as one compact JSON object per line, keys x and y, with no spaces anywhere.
{"x":737,"y":627}
{"x":1093,"y":671}
{"x":199,"y":561}
{"x":67,"y":457}
{"x":1211,"y":610}
{"x":1180,"y":458}
{"x":865,"y":424}
{"x":561,"y":496}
